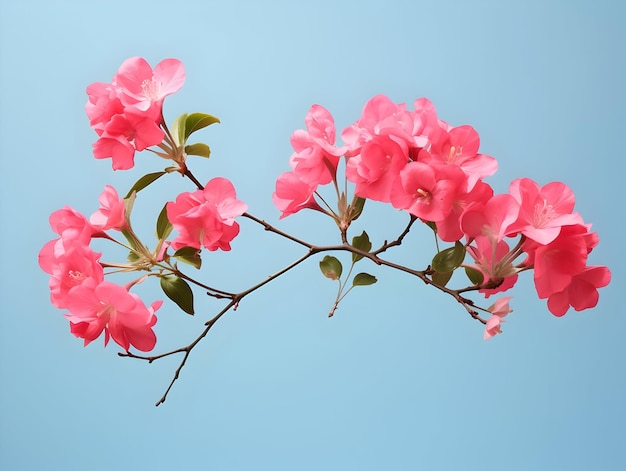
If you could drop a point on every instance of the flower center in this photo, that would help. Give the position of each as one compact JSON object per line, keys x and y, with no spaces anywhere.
{"x":76,"y":277}
{"x":543,"y":214}
{"x":151,"y":89}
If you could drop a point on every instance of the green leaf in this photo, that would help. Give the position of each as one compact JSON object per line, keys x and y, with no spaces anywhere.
{"x":164,"y":226}
{"x":196,"y":121}
{"x":361,"y":242}
{"x":331,"y":267}
{"x":363,"y":279}
{"x":189,"y":255}
{"x":442,"y":278}
{"x":144,"y":182}
{"x":178,"y":129}
{"x":198,"y":149}
{"x":475,"y":276}
{"x":129,"y":202}
{"x":357,"y":208}
{"x":178,"y":291}
{"x":449,"y":259}
{"x":129,"y":238}
{"x":132,"y":257}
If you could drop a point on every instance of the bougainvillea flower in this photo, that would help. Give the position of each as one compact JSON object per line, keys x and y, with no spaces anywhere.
{"x":581,"y":293}
{"x":206,"y":217}
{"x":94,"y":308}
{"x":112,"y":212}
{"x":71,"y":225}
{"x":103,"y":103}
{"x":143,"y":88}
{"x":543,"y":210}
{"x":293,"y":194}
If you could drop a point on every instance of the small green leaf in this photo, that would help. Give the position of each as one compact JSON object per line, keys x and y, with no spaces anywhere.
{"x":442,"y":278}
{"x":475,"y":276}
{"x":331,"y":267}
{"x":198,"y":149}
{"x":449,"y":259}
{"x":357,"y":208}
{"x":361,"y":242}
{"x":189,"y":255}
{"x":129,"y":238}
{"x":178,"y":129}
{"x":144,"y":182}
{"x":129,"y":202}
{"x":164,"y":226}
{"x":196,"y":121}
{"x":178,"y":291}
{"x":363,"y":279}
{"x":132,"y":257}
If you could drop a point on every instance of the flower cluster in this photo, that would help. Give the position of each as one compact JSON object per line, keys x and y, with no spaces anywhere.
{"x":420,"y":164}
{"x":127,"y":113}
{"x":77,"y":281}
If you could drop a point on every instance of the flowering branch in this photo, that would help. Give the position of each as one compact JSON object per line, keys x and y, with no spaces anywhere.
{"x":409,"y":159}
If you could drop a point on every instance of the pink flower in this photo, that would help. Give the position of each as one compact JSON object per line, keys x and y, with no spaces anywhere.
{"x":123,"y":135}
{"x":71,"y":268}
{"x":206,"y":217}
{"x":581,"y":293}
{"x":376,"y":168}
{"x":380,"y":117}
{"x":145,"y":89}
{"x":102,"y":105}
{"x":460,"y":147}
{"x":499,"y":310}
{"x":556,"y":263}
{"x":494,"y":260}
{"x":108,"y":307}
{"x":543,"y":210}
{"x":316,"y":158}
{"x":293,"y":194}
{"x":70,"y":225}
{"x":449,"y":228}
{"x":112,"y":212}
{"x":492,"y":219}
{"x":423,"y":192}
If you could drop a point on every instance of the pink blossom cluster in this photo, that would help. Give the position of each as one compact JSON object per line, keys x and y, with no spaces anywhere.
{"x":127,"y":113}
{"x":77,"y":282}
{"x":206,"y":218}
{"x":418,"y":163}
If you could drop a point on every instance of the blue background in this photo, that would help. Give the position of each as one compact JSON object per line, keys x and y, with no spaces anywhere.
{"x":400,"y":378}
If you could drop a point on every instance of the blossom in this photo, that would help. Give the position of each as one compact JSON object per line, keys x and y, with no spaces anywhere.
{"x":376,"y":168}
{"x":495,"y":261}
{"x":112,"y":212}
{"x":492,"y":219}
{"x":143,"y":88}
{"x":543,"y":210}
{"x":105,"y":306}
{"x":293,"y":194}
{"x":498,"y":310}
{"x":460,"y":147}
{"x":380,"y":117}
{"x":206,"y":217}
{"x":423,"y":191}
{"x":556,"y":263}
{"x":316,"y":158}
{"x":76,"y":264}
{"x":581,"y":293}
